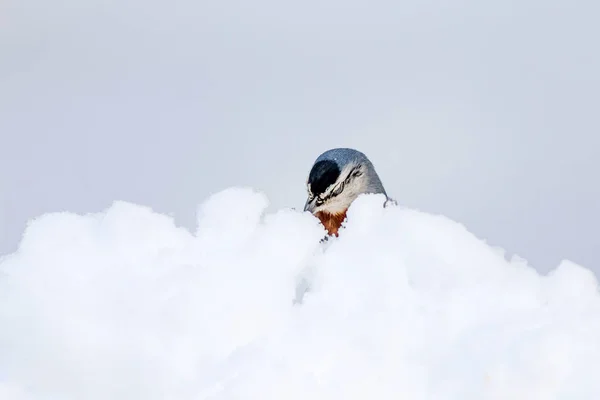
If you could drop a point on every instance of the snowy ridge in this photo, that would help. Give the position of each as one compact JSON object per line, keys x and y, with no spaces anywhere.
{"x":124,"y":305}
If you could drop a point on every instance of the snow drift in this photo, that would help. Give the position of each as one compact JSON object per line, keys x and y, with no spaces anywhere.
{"x":403,"y":305}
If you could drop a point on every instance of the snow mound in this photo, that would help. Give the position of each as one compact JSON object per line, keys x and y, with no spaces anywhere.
{"x":403,"y":305}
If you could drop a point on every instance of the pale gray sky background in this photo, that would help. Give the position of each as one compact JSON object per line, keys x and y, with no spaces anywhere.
{"x":487,"y":112}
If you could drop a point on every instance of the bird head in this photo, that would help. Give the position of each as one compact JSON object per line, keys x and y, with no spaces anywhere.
{"x":336,"y":179}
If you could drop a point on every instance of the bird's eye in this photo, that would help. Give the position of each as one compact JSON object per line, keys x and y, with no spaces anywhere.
{"x":339,"y":189}
{"x":319,"y":201}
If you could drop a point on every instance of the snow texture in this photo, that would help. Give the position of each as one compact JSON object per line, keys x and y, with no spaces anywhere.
{"x":403,"y":305}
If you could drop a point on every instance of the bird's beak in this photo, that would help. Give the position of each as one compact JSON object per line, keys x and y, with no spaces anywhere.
{"x":308,"y":206}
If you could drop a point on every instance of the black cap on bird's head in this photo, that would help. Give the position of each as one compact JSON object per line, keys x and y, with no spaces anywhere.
{"x":336,"y":179}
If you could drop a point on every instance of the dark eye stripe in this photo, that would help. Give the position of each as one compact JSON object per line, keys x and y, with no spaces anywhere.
{"x":338,"y":190}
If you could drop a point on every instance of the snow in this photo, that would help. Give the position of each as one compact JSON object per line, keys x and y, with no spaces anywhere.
{"x":123,"y":304}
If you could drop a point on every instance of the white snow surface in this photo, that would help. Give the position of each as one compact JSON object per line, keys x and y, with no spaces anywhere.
{"x":406,"y":305}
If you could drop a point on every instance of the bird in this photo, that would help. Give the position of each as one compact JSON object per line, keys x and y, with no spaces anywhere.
{"x":337,"y":177}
